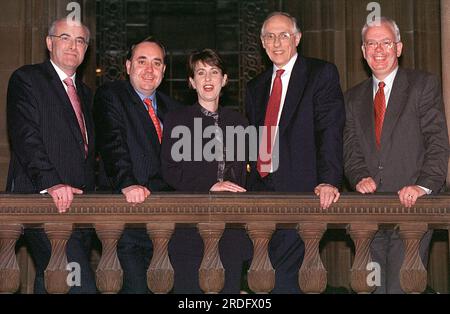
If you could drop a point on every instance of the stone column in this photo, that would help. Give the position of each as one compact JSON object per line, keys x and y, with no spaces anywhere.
{"x":160,"y":273}
{"x":445,"y":48}
{"x":261,"y":275}
{"x":312,"y":276}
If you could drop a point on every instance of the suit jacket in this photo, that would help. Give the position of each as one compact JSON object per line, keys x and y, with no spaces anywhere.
{"x":414,"y":140}
{"x":191,"y":175}
{"x":47,"y":147}
{"x":310,"y":126}
{"x":126,"y":137}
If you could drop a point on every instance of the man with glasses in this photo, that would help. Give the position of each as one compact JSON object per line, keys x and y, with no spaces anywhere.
{"x":395,"y":139}
{"x":51,"y":133}
{"x":299,"y":103}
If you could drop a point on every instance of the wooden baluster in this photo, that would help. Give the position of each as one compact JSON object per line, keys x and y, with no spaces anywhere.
{"x":362,"y":235}
{"x":160,"y":273}
{"x":9,"y":268}
{"x":211,"y":273}
{"x":413,"y":275}
{"x":56,"y":273}
{"x":312,"y":276}
{"x":261,"y":275}
{"x":109,"y":274}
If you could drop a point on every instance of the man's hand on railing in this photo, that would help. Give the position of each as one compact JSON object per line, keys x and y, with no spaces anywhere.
{"x":366,"y":185}
{"x":328,"y":194}
{"x":135,"y":194}
{"x":409,"y":195}
{"x":62,"y":195}
{"x":227,"y":186}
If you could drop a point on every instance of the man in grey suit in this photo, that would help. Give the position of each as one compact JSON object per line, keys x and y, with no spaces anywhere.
{"x":395,"y":139}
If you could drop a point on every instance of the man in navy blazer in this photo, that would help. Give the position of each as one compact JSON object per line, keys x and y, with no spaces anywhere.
{"x":52,"y":151}
{"x":310,"y":122}
{"x":129,"y":145}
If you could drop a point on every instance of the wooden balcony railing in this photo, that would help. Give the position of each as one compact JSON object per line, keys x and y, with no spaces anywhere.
{"x":260,"y":214}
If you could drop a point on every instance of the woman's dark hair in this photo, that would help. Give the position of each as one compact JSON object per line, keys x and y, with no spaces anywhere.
{"x":207,"y":56}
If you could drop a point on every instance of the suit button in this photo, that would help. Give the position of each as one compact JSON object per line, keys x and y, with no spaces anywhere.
{"x":380,"y":167}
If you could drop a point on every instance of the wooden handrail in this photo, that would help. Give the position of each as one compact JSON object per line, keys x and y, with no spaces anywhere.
{"x":258,"y":213}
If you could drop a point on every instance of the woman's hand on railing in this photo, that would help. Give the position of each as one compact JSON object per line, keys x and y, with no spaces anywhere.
{"x":227,"y":186}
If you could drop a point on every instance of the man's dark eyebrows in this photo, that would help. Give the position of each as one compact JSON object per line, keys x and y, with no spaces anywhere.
{"x":158,"y":59}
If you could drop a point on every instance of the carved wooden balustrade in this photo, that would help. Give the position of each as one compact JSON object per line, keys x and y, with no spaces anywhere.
{"x":260,"y":214}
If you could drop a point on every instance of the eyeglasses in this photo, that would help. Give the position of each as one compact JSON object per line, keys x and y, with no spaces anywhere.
{"x":386,"y":44}
{"x":270,"y":38}
{"x":79,"y":41}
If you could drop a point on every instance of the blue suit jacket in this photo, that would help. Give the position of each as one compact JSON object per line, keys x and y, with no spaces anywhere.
{"x":310,"y":128}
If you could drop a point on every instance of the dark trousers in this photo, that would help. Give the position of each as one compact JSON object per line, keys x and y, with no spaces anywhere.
{"x":186,"y":253}
{"x":286,"y":251}
{"x":286,"y":248}
{"x":135,"y":250}
{"x":78,"y":250}
{"x":387,"y":249}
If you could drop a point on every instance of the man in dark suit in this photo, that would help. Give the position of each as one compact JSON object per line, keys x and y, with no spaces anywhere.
{"x":129,"y":117}
{"x":395,"y":139}
{"x":303,"y":98}
{"x":51,"y":134}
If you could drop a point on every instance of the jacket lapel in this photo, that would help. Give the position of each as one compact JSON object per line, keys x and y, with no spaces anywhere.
{"x":366,"y":114}
{"x":397,"y":101}
{"x":296,"y":87}
{"x":263,"y":98}
{"x":143,"y":118}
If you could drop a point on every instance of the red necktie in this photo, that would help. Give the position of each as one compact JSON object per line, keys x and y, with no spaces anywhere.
{"x":76,"y":105}
{"x":154,"y":118}
{"x":380,"y":110}
{"x":264,"y":162}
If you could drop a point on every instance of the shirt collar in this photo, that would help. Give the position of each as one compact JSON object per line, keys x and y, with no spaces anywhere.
{"x":62,"y":76}
{"x":388,"y":80}
{"x":288,"y":67}
{"x":152,"y":97}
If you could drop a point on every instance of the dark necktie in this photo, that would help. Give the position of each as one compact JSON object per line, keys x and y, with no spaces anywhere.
{"x":76,"y":105}
{"x":380,"y":110}
{"x":264,"y":162}
{"x":154,"y":118}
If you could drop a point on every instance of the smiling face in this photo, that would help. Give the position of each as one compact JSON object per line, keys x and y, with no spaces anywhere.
{"x":146,"y":67}
{"x":280,"y":51}
{"x":208,"y":82}
{"x":67,"y":55}
{"x":382,"y":60}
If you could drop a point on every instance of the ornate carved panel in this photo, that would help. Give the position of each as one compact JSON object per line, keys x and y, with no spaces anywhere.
{"x":229,"y":26}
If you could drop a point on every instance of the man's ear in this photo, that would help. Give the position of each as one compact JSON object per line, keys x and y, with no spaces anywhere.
{"x":399,"y":49}
{"x":128,"y":66}
{"x":298,"y":36}
{"x":48,"y":41}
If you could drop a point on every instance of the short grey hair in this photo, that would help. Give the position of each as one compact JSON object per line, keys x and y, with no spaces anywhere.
{"x":382,"y":20}
{"x":52,"y":28}
{"x":293,"y":20}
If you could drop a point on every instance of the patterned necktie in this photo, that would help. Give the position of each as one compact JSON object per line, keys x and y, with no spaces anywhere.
{"x":76,"y":105}
{"x":264,"y":162}
{"x":380,"y":110}
{"x":154,"y":118}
